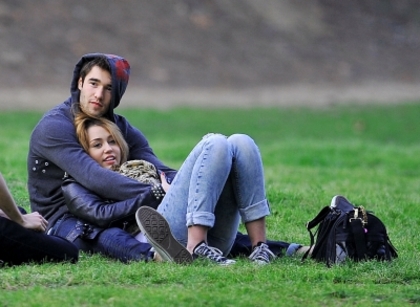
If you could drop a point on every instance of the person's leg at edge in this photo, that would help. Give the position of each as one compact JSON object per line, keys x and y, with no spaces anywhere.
{"x":20,"y":245}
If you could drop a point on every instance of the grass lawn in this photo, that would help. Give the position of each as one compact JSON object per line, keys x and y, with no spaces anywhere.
{"x":370,"y":154}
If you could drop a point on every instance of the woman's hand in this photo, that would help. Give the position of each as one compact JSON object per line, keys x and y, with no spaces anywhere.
{"x":34,"y":221}
{"x":165,"y":184}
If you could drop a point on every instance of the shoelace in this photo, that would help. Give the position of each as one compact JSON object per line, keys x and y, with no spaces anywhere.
{"x":212,"y":253}
{"x":262,"y":254}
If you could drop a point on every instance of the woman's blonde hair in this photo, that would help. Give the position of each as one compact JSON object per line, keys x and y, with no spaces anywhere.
{"x":83,"y":122}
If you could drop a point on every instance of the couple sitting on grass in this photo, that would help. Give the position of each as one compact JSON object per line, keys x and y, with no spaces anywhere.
{"x":191,"y":213}
{"x":201,"y":207}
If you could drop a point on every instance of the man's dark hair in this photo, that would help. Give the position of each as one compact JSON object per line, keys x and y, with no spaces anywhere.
{"x":100,"y":61}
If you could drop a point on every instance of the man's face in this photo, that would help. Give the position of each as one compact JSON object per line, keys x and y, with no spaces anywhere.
{"x":95,"y":92}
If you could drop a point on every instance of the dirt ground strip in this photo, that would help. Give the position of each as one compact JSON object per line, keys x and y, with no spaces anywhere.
{"x":282,"y":96}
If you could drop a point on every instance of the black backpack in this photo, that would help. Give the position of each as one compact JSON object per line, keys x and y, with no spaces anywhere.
{"x":348,"y":232}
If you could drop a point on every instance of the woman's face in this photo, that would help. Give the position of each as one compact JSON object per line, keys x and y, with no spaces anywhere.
{"x":103,"y":148}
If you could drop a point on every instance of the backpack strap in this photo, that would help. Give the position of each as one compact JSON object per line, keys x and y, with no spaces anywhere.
{"x":311,"y":224}
{"x":358,"y":231}
{"x":319,"y":218}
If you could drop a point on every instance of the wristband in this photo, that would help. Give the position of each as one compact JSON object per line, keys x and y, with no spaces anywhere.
{"x":158,"y":191}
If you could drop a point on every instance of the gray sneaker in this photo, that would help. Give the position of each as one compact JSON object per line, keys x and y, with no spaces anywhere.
{"x":202,"y":250}
{"x":262,"y":254}
{"x":157,"y":231}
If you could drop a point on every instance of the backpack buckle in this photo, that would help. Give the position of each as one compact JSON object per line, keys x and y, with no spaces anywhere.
{"x":363,"y":220}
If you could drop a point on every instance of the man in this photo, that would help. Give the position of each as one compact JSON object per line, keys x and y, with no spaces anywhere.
{"x":99,"y":82}
{"x":22,"y":239}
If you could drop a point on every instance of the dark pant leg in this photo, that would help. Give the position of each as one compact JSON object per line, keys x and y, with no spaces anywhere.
{"x":111,"y":242}
{"x":121,"y":245}
{"x":242,"y":246}
{"x":20,"y":245}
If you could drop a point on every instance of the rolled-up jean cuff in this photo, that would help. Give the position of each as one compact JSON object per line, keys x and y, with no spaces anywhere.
{"x":200,"y":218}
{"x":255,"y":211}
{"x":292,"y":249}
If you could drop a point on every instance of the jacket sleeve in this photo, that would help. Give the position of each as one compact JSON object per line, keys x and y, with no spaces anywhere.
{"x":88,"y":206}
{"x":55,"y":139}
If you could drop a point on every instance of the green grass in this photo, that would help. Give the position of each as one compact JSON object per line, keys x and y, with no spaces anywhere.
{"x":370,"y":154}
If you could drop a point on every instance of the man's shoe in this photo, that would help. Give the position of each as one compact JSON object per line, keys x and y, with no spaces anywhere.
{"x":262,"y":254}
{"x":157,"y":231}
{"x":202,"y":250}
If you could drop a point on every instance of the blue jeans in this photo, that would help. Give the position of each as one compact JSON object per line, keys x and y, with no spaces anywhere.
{"x":112,"y":242}
{"x":220,"y":182}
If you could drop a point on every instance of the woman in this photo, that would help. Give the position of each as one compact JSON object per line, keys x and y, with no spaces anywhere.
{"x":221,"y":181}
{"x":22,"y":238}
{"x":96,"y":225}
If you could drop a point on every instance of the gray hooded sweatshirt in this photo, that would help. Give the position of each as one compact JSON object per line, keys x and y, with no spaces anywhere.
{"x":54,"y":150}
